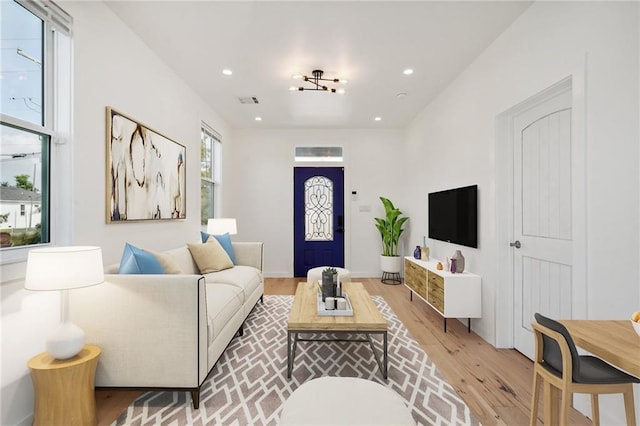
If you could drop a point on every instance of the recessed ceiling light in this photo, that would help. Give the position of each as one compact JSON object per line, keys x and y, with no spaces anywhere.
{"x":401,"y":95}
{"x":258,"y":118}
{"x":408,"y":71}
{"x":378,"y":118}
{"x":227,"y":71}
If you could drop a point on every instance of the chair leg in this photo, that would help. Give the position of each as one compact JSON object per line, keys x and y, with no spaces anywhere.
{"x":550,"y":402}
{"x":628,"y":405}
{"x":567,"y":403}
{"x":535,"y":398}
{"x":595,"y":409}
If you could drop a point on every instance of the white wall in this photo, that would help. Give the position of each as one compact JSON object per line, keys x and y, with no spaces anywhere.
{"x":549,"y":42}
{"x":112,"y":67}
{"x":259,"y":190}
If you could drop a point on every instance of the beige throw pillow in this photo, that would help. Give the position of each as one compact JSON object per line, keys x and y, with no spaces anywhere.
{"x":168,"y":263}
{"x":210,"y":257}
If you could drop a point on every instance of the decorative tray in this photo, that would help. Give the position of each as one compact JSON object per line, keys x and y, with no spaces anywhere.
{"x":335,"y":312}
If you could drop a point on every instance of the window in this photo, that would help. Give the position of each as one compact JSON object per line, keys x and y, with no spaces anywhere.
{"x":318,"y":209}
{"x":324,"y":154}
{"x":209,"y":172}
{"x":35,"y":81}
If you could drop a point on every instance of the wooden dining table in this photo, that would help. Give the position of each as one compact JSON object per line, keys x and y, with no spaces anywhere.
{"x":614,"y":341}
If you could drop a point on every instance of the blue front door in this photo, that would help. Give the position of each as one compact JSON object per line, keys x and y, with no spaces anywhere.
{"x":318,"y":218}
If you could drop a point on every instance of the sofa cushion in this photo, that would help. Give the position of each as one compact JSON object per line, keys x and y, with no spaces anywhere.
{"x":137,"y":261}
{"x":210,"y":257}
{"x":168,"y":263}
{"x":225,"y":242}
{"x":246,"y":278}
{"x":223,"y":301}
{"x":183,"y":257}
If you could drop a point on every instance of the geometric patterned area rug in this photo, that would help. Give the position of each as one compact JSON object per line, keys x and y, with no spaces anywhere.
{"x":249,"y":383}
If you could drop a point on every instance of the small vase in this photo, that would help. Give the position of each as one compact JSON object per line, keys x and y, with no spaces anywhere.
{"x":453,"y":266}
{"x":417,"y":253}
{"x":424,"y":252}
{"x":459,"y":261}
{"x":329,"y":282}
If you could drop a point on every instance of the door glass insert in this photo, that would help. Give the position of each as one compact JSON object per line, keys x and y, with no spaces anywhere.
{"x":318,"y":209}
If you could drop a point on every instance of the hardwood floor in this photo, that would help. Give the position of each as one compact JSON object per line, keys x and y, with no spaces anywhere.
{"x":495,"y":383}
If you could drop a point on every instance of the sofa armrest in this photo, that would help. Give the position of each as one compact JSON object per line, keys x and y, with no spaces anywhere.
{"x":152,"y":329}
{"x":249,"y":254}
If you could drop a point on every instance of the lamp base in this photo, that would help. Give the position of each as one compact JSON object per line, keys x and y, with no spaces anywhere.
{"x":66,"y":341}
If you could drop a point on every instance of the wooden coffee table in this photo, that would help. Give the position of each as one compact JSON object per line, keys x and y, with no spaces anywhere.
{"x":366,"y":320}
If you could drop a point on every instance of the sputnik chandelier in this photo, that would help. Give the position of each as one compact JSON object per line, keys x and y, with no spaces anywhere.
{"x":317,"y":82}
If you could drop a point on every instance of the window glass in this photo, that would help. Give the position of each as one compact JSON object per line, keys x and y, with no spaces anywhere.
{"x":318,"y":209}
{"x":306,"y":154}
{"x":21,"y":63}
{"x":23,"y":203}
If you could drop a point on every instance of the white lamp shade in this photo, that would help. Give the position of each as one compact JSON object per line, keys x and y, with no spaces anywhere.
{"x":62,"y":268}
{"x":219,"y":226}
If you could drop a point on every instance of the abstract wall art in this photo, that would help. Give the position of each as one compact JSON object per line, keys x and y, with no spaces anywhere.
{"x":145,"y":172}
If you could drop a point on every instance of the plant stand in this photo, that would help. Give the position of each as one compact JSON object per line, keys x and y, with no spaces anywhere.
{"x":392,"y":278}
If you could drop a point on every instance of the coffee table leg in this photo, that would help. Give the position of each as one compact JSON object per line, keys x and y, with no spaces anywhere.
{"x":289,"y":363}
{"x":291,"y":351}
{"x":385,"y":362}
{"x":382,"y":364}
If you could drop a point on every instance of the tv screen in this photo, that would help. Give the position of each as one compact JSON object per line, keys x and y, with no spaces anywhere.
{"x":453,"y":216}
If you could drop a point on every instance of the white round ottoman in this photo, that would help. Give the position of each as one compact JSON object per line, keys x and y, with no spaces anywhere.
{"x":315,"y":274}
{"x":344,"y":401}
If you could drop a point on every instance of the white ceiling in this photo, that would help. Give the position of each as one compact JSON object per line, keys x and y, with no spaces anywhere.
{"x":369,"y":43}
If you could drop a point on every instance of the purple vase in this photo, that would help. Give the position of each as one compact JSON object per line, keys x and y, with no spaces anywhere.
{"x":453,"y":266}
{"x":417,"y":253}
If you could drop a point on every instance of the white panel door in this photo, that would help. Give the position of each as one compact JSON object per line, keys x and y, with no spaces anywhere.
{"x":542,"y":213}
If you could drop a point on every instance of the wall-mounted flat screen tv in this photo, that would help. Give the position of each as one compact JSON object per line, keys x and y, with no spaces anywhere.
{"x":453,"y":216}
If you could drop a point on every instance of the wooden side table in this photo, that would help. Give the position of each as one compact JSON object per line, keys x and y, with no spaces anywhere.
{"x":64,"y":389}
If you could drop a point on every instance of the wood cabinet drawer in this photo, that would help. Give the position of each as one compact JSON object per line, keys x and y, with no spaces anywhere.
{"x":436,"y":299}
{"x":435,"y":291}
{"x":415,"y":277}
{"x":436,"y":281}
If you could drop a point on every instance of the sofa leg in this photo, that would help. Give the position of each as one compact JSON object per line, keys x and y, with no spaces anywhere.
{"x":195,"y":398}
{"x":262,"y":299}
{"x":241,"y":330}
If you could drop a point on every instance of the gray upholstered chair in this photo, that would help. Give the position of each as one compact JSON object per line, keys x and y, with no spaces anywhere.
{"x":557,"y":362}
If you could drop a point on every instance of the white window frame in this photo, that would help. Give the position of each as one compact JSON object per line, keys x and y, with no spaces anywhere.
{"x":57,"y":104}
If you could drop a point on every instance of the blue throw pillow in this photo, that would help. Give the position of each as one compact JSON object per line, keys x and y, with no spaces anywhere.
{"x":138,"y":261}
{"x":225,"y":242}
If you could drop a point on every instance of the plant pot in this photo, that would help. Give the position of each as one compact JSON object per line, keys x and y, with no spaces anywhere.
{"x":392,"y":264}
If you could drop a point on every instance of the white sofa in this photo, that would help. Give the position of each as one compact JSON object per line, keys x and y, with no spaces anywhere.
{"x":168,"y":331}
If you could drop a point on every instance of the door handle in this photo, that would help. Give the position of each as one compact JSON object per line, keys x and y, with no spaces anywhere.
{"x":515,"y":244}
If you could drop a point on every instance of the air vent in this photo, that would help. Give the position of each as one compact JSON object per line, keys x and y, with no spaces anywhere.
{"x":248,"y":100}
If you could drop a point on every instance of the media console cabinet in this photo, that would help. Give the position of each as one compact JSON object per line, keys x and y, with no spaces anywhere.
{"x":451,"y":295}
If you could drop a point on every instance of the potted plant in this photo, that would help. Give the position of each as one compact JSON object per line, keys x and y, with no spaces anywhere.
{"x":390,"y":228}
